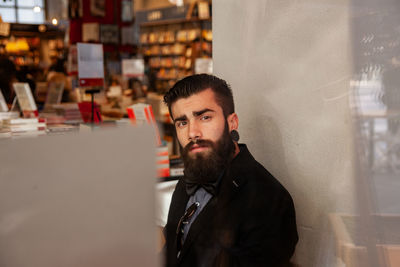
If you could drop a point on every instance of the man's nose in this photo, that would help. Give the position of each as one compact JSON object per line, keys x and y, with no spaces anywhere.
{"x":194,"y":131}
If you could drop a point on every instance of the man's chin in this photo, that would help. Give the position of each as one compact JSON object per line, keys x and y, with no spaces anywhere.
{"x":203,"y":154}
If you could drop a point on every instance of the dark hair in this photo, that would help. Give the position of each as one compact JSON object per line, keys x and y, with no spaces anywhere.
{"x":197,"y":83}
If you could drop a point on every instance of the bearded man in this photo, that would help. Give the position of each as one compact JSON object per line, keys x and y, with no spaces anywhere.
{"x":228,"y":210}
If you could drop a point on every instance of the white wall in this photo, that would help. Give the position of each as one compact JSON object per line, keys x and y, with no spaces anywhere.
{"x":289,"y":64}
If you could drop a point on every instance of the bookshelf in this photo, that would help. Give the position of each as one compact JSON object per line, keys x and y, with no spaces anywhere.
{"x":172,"y":47}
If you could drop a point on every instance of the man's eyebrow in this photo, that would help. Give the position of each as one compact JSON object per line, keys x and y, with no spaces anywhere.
{"x":199,"y":113}
{"x":181,"y":118}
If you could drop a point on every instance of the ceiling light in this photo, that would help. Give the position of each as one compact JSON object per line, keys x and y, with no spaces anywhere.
{"x":37,"y":9}
{"x":54,"y":21}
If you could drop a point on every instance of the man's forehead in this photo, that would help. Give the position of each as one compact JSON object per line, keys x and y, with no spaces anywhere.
{"x":196,"y":102}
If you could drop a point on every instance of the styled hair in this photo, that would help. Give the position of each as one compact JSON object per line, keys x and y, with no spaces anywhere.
{"x":197,"y":83}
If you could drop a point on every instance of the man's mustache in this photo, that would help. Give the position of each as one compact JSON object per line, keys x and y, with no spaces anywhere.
{"x":199,"y":142}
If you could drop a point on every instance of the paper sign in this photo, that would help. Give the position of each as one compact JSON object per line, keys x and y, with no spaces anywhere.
{"x":133,"y":67}
{"x":114,"y":91}
{"x":203,"y":65}
{"x":25,"y":100}
{"x":90,"y":64}
{"x":90,"y":32}
{"x":4,"y":29}
{"x":54,"y":94}
{"x":3,"y":104}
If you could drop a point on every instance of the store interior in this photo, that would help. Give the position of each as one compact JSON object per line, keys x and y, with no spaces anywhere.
{"x":315,"y":87}
{"x":144,"y":48}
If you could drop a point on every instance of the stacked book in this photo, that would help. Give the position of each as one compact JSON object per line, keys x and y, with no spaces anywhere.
{"x":61,"y":128}
{"x":176,"y":167}
{"x":162,"y":161}
{"x":8,"y":115}
{"x":70,"y":111}
{"x":24,"y":127}
{"x":52,"y":118}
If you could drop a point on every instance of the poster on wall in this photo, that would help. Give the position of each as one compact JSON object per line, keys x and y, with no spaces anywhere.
{"x":75,"y":9}
{"x":90,"y":32}
{"x":128,"y":35}
{"x":126,"y":11}
{"x":90,"y":64}
{"x":109,"y":34}
{"x":4,"y":29}
{"x":98,"y":8}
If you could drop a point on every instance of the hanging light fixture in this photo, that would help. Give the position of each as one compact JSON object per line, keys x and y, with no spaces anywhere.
{"x":36,"y":7}
{"x":54,"y":21}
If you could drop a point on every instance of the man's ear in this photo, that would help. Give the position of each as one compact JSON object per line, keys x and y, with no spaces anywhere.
{"x":233,"y":121}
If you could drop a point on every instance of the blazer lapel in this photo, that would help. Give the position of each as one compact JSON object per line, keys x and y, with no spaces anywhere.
{"x":201,"y":223}
{"x":179,"y":206}
{"x":177,"y":209}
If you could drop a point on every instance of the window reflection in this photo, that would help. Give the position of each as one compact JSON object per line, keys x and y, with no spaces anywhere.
{"x":371,"y":236}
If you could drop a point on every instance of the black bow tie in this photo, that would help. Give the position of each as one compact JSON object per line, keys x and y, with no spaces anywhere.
{"x":191,"y":187}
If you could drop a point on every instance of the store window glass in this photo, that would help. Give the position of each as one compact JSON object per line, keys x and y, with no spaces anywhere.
{"x":22,"y":11}
{"x":7,"y":3}
{"x":30,"y":3}
{"x":8,"y":14}
{"x":29,"y":16}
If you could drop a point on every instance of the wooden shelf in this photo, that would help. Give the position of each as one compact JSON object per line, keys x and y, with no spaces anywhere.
{"x":172,"y":21}
{"x":167,"y":55}
{"x":171,"y":67}
{"x":172,"y":43}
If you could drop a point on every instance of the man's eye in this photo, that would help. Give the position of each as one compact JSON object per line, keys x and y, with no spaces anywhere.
{"x":205,"y":118}
{"x":181,"y":124}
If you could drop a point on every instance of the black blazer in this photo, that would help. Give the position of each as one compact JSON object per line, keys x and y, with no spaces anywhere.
{"x":250,"y":222}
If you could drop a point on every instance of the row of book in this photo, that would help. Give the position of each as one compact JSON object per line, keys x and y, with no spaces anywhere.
{"x":18,"y":127}
{"x":63,"y":118}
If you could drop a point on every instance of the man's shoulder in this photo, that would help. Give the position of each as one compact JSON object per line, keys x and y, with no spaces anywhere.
{"x":255,"y":176}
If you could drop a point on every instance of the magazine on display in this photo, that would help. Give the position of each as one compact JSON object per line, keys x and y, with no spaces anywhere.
{"x":3,"y":104}
{"x":25,"y":100}
{"x":54,"y":95}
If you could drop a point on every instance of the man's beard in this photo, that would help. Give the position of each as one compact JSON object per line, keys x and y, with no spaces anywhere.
{"x":206,"y":167}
